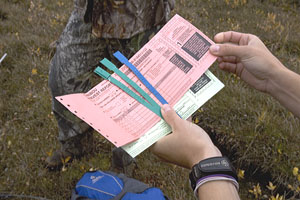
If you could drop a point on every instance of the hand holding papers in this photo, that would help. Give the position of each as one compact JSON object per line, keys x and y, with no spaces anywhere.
{"x":173,"y":62}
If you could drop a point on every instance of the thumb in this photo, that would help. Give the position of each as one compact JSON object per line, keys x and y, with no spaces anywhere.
{"x":169,"y":115}
{"x":228,"y":50}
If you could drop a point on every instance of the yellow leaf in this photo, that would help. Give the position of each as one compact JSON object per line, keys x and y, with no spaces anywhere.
{"x":262,"y":116}
{"x":258,"y":189}
{"x":196,"y":120}
{"x":49,"y":153}
{"x":272,"y":198}
{"x":277,"y":197}
{"x":34,"y":71}
{"x":271,"y":186}
{"x":298,"y":177}
{"x":241,"y":173}
{"x":291,"y":187}
{"x":295,"y":171}
{"x":30,"y":81}
{"x":279,"y":151}
{"x":67,"y":159}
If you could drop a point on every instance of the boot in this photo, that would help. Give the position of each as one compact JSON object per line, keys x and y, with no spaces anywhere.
{"x":58,"y":159}
{"x":123,"y":162}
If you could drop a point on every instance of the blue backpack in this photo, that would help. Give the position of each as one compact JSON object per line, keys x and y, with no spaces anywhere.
{"x":110,"y":186}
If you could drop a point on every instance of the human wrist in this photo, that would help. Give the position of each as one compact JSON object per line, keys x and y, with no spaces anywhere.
{"x":273,"y":85}
{"x":203,"y":152}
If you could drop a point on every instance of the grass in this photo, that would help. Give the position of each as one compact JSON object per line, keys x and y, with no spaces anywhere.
{"x":260,"y":136}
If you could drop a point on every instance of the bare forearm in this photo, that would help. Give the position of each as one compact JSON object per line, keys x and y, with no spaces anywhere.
{"x":285,"y":87}
{"x":218,"y":190}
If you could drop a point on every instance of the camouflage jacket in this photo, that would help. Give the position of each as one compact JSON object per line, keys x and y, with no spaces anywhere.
{"x":123,"y":19}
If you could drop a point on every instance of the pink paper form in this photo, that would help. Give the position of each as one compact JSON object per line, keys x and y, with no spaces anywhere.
{"x":171,"y":61}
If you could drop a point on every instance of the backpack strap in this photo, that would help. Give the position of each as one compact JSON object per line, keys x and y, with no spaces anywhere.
{"x":129,"y":185}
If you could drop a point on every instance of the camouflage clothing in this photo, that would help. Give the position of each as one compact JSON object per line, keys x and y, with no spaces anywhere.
{"x":77,"y":54}
{"x":125,"y":18}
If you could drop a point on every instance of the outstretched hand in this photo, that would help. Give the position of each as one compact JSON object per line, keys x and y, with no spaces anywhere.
{"x":246,"y":56}
{"x":186,"y":145}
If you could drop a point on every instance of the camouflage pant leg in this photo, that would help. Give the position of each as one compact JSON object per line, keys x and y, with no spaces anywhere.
{"x":71,"y":71}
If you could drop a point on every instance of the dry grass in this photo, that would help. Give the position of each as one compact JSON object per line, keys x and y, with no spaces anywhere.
{"x":260,"y":136}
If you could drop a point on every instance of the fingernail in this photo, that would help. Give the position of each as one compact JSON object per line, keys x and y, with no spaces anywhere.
{"x":215,"y":48}
{"x":166,"y":107}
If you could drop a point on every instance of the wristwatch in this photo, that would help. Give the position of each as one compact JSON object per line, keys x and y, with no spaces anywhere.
{"x":215,"y":166}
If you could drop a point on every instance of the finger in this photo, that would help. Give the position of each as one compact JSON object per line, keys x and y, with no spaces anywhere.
{"x":232,"y":68}
{"x":229,"y":50}
{"x":229,"y":67}
{"x":169,"y":115}
{"x":230,"y":59}
{"x":229,"y":36}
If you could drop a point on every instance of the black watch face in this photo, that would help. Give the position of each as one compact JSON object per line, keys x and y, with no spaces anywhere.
{"x":215,"y":164}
